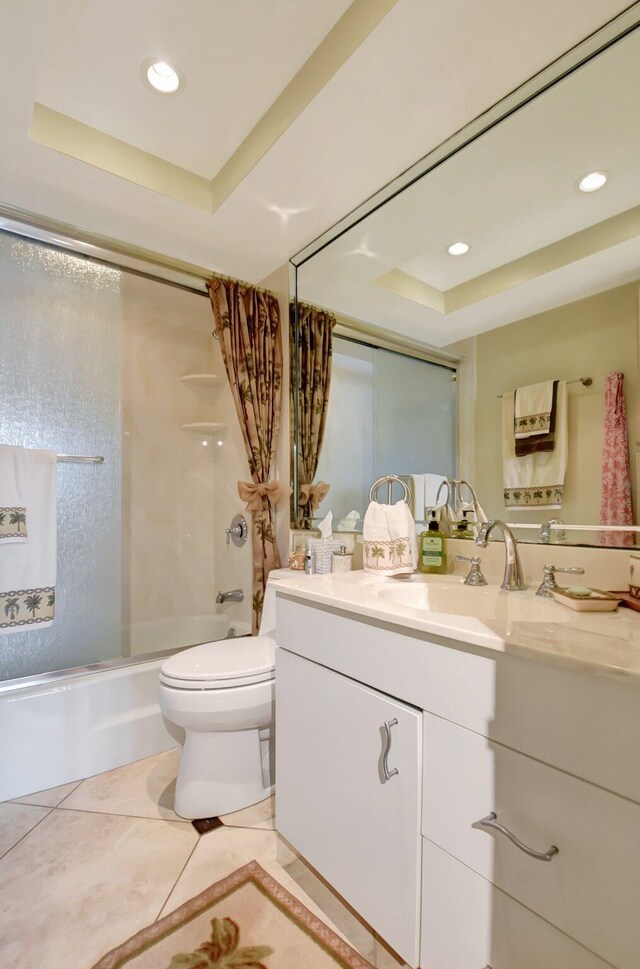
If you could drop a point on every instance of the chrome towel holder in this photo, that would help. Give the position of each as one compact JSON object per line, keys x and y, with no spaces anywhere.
{"x":389,"y":480}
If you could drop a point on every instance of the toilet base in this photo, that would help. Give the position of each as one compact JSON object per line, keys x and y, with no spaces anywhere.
{"x":222,"y":772}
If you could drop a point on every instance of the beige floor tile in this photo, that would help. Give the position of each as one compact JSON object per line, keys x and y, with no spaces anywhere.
{"x":144,"y":789}
{"x":50,"y":798}
{"x":15,"y":821}
{"x":81,"y":884}
{"x":222,"y":851}
{"x":260,"y":815}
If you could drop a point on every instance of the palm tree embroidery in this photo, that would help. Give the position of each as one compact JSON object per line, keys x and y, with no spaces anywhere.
{"x":400,"y":549}
{"x":32,"y":603}
{"x":51,"y":599}
{"x":377,"y":552}
{"x":2,"y":518}
{"x":17,"y":518}
{"x":222,"y":951}
{"x":11,"y":608}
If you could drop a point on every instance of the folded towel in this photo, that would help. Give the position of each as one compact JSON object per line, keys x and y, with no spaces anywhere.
{"x":431,"y":484}
{"x":534,"y":480}
{"x":545,"y":441}
{"x":28,"y":570}
{"x":532,"y":409}
{"x":389,"y":539}
{"x":416,"y":490}
{"x":13,"y":512}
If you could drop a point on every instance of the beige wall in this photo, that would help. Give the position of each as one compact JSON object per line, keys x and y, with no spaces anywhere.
{"x":178,"y":495}
{"x":590,"y":337}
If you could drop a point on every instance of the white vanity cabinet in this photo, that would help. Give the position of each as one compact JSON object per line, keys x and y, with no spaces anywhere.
{"x":348,"y":770}
{"x":549,"y":751}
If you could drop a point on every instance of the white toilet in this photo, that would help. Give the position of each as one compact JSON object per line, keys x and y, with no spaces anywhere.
{"x":223,"y":695}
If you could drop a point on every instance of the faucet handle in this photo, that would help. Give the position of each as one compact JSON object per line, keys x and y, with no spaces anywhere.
{"x":548,"y":584}
{"x":475,"y":576}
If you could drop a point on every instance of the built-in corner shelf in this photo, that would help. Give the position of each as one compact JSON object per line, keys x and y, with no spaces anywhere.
{"x":201,"y":379}
{"x":205,"y":428}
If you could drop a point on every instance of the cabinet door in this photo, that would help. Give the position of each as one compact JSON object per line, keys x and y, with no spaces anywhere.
{"x":358,"y":829}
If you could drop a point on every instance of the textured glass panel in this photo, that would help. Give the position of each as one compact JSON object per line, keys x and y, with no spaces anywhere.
{"x":60,"y":332}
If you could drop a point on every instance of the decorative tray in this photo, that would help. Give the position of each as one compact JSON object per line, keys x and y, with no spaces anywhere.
{"x":598,"y":601}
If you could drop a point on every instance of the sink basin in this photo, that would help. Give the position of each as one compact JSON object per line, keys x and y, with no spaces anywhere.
{"x":489,"y":603}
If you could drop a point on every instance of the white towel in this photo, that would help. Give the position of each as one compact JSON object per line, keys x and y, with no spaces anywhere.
{"x":13,"y":512}
{"x":534,"y":480}
{"x":390,"y":543}
{"x":532,"y":410}
{"x":28,"y":570}
{"x":417,"y":495}
{"x":431,"y":484}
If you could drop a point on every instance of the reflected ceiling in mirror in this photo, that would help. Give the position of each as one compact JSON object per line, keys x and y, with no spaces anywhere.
{"x":500,"y":261}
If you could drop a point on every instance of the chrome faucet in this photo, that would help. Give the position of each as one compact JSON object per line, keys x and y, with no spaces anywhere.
{"x":545,"y":531}
{"x":236,"y":595}
{"x":513,"y":580}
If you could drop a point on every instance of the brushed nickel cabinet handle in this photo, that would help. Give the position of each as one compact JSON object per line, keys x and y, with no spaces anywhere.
{"x":388,"y":724}
{"x":491,"y":822}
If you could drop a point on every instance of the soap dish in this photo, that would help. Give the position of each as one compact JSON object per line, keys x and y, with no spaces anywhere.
{"x":598,"y":601}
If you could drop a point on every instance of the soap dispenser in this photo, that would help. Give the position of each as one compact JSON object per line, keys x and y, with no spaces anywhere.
{"x":432,"y":557}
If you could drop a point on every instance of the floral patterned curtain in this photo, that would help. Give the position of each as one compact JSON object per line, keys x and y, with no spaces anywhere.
{"x":314,"y":350}
{"x":247,"y":324}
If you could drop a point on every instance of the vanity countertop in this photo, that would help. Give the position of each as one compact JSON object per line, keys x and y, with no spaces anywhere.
{"x":485,"y":619}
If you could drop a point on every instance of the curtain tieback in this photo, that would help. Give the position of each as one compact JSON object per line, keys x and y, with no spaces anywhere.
{"x":254,"y":493}
{"x":313,"y":494}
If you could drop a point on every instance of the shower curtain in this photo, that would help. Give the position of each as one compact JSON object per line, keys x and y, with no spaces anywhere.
{"x":247,"y":324}
{"x":313,"y":364}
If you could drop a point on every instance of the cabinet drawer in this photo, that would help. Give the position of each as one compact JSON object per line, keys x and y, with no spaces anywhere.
{"x":467,"y":923}
{"x":359,"y":828}
{"x":590,"y":889}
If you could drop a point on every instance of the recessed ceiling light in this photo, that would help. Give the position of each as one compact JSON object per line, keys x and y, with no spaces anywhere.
{"x":163,"y":77}
{"x":592,"y":181}
{"x":458,"y":248}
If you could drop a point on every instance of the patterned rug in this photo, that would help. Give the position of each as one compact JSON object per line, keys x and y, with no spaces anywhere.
{"x":245,"y":921}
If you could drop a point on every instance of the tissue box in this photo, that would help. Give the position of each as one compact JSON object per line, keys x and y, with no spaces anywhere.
{"x":634,"y":575}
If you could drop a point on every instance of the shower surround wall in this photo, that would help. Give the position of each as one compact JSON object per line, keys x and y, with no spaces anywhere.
{"x":61,"y":361}
{"x":179,"y":486}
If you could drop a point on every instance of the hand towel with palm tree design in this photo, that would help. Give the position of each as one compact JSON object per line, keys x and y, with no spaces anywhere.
{"x":534,"y":480}
{"x":28,"y":568}
{"x":13,"y":514}
{"x":389,"y":539}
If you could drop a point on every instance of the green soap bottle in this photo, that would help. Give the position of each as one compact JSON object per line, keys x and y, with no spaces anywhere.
{"x":432,"y":557}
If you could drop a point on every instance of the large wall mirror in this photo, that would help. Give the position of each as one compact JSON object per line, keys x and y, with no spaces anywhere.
{"x":424,"y":346}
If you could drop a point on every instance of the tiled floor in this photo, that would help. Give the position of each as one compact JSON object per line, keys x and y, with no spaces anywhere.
{"x":86,"y":865}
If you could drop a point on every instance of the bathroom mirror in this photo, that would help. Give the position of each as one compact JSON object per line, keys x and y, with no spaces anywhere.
{"x":425,"y":341}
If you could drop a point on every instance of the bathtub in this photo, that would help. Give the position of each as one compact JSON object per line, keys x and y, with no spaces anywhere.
{"x":158,"y":634}
{"x":64,"y":726}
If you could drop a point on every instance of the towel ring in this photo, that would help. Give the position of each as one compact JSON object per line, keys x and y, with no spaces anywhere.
{"x":389,"y":480}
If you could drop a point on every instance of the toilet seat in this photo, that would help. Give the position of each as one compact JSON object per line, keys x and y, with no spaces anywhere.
{"x":221,"y":665}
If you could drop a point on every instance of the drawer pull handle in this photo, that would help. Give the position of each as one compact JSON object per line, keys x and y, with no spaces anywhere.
{"x":491,"y":822}
{"x":388,"y":724}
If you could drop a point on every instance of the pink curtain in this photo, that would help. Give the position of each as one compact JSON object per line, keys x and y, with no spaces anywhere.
{"x":615,"y":502}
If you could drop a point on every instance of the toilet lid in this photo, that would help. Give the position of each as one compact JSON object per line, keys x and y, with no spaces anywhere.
{"x":228,"y":662}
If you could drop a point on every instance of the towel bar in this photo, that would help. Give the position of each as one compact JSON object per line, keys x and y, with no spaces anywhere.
{"x":585,"y":381}
{"x":80,"y":459}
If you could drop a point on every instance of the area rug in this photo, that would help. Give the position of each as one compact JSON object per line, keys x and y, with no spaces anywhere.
{"x":245,"y":921}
